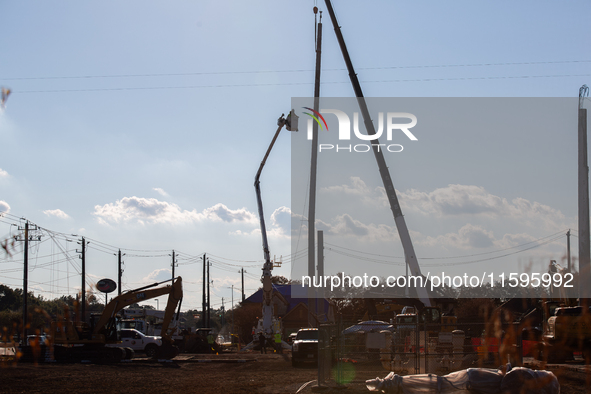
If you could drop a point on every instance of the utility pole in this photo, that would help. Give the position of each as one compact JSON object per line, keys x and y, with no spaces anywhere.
{"x":242,"y":271}
{"x":173,"y":264}
{"x":568,"y":249}
{"x":208,"y":298}
{"x":203,"y":296}
{"x":223,"y":312}
{"x":313,"y":168}
{"x":83,"y":258}
{"x":25,"y":282}
{"x":232,"y":309}
{"x":26,"y":239}
{"x":320,"y":300}
{"x":120,"y":272}
{"x":584,"y":247}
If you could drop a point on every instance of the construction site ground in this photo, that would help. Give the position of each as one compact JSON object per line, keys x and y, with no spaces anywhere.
{"x":224,"y":373}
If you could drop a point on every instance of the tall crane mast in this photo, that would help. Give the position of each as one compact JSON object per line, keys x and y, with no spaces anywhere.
{"x":409,"y":252}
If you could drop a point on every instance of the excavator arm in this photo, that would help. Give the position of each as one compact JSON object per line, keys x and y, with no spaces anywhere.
{"x":106,"y":323}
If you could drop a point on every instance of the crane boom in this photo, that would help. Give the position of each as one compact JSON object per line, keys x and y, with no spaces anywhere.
{"x":403,"y":233}
{"x":291,"y":124}
{"x":268,"y":265}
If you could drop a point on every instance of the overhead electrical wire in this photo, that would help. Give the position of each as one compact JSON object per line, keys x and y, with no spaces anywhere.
{"x":387,"y":262}
{"x":129,"y":88}
{"x":159,"y":75}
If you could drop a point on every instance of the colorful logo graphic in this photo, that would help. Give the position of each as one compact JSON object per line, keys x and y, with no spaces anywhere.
{"x":318,"y":115}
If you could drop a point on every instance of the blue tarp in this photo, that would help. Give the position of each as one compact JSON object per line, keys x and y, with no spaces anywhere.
{"x":370,"y":325}
{"x":285,"y":291}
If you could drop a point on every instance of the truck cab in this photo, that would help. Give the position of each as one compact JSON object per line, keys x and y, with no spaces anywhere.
{"x":138,"y":342}
{"x":305,"y":347}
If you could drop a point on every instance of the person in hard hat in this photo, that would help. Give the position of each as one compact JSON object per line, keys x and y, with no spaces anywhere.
{"x":278,"y":342}
{"x":263,"y":343}
{"x":210,"y":341}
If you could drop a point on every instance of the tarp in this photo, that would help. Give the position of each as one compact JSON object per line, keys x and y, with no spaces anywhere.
{"x":367,"y":326}
{"x":472,"y":381}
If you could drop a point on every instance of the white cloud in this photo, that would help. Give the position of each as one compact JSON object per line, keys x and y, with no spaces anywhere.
{"x":220,"y":212}
{"x":4,"y":207}
{"x":477,"y":237}
{"x":467,"y":237}
{"x":357,"y":187}
{"x":278,"y":227}
{"x":460,"y":200}
{"x":345,"y":225}
{"x":160,"y":191}
{"x":151,"y":210}
{"x":456,"y":200}
{"x":3,"y":173}
{"x":158,"y":275}
{"x":58,"y":213}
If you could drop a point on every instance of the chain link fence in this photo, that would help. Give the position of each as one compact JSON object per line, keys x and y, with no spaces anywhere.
{"x":358,"y":352}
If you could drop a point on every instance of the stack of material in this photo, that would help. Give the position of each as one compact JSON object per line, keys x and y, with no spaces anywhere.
{"x":472,"y":380}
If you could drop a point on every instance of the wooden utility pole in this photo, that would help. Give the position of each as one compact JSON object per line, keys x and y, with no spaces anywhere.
{"x":173,"y":264}
{"x":313,"y":169}
{"x":584,"y":247}
{"x":119,"y":272}
{"x":203,"y":325}
{"x":208,"y":298}
{"x":83,"y":298}
{"x":25,"y":282}
{"x":232,"y":309}
{"x":568,"y":250}
{"x":26,"y":238}
{"x":321,"y":312}
{"x":242,"y":271}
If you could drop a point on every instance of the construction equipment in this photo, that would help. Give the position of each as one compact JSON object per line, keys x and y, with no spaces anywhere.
{"x":76,"y":340}
{"x":429,"y":313}
{"x":409,"y":252}
{"x":268,"y":325}
{"x":566,"y":328}
{"x":566,"y":332}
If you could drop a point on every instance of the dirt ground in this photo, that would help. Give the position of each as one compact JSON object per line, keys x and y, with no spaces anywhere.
{"x":255,"y":373}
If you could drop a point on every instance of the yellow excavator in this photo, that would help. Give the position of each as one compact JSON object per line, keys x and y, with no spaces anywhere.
{"x":77,"y":341}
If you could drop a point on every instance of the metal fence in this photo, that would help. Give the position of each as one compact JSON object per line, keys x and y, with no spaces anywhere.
{"x":411,"y":349}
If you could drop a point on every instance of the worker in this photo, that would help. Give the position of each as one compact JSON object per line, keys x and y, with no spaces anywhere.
{"x":210,"y":341}
{"x":263,"y":343}
{"x":278,"y":342}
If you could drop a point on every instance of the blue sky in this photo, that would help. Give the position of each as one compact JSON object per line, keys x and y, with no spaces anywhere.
{"x":141,"y":125}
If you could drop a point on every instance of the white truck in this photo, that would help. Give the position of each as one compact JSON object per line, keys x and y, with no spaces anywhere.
{"x":134,"y":318}
{"x":139,"y":342}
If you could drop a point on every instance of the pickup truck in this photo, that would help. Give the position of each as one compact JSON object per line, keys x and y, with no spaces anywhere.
{"x":139,"y":342}
{"x":305,"y":347}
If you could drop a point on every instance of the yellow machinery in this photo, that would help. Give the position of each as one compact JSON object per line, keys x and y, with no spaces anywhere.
{"x":75,"y":340}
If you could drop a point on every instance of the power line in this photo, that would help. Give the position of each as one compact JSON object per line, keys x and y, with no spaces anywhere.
{"x":296,"y":83}
{"x":453,"y":257}
{"x":152,"y":75}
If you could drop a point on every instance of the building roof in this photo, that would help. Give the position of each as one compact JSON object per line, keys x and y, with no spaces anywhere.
{"x":285,"y":291}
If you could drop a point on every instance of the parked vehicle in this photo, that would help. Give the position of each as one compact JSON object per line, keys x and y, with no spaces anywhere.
{"x":305,"y":347}
{"x":139,"y":342}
